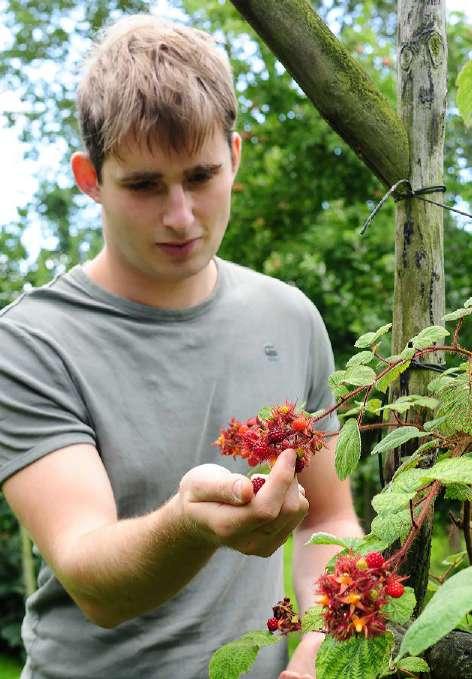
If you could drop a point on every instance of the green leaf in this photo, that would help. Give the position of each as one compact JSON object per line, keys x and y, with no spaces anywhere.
{"x":407,"y":353}
{"x":326,"y":539}
{"x":456,"y":405}
{"x":409,"y":480}
{"x":450,"y":603}
{"x":313,"y":621}
{"x":439,"y":383}
{"x":464,"y":93}
{"x":400,"y":610}
{"x":386,"y":380}
{"x":265,"y":413}
{"x":359,"y":376}
{"x":468,"y":302}
{"x":236,"y":658}
{"x":362,"y":358}
{"x":348,"y":449}
{"x":427,"y":446}
{"x":434,"y":424}
{"x":429,"y":336}
{"x":451,"y":470}
{"x":371,"y":337}
{"x":355,"y":658}
{"x":404,"y":403}
{"x":391,"y":527}
{"x":412,"y":664}
{"x":460,"y":313}
{"x":458,"y":491}
{"x":397,"y":437}
{"x":391,"y":502}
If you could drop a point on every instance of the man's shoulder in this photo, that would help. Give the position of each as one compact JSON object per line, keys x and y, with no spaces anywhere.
{"x":265,"y":288}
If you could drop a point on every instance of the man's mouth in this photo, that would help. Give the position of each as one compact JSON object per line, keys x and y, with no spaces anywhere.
{"x":179,"y":249}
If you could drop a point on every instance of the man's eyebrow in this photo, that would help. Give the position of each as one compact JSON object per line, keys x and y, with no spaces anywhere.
{"x":148,"y":175}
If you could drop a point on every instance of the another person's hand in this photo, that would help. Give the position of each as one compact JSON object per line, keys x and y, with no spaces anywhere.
{"x":302,"y":662}
{"x":223,"y":508}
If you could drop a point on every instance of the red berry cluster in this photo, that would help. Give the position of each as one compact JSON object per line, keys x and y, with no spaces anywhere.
{"x":262,"y":440}
{"x":285,"y":619}
{"x":354,"y":594}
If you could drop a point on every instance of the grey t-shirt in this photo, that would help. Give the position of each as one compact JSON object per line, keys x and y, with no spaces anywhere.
{"x":151,"y":388}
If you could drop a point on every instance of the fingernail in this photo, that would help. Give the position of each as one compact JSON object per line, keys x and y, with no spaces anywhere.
{"x":237,"y":490}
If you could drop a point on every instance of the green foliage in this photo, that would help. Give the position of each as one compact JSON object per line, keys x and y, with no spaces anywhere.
{"x":464,"y":93}
{"x":355,"y":658}
{"x":396,"y":437}
{"x":11,"y":585}
{"x":370,"y":338}
{"x":348,"y":449}
{"x":237,"y":657}
{"x":450,"y":603}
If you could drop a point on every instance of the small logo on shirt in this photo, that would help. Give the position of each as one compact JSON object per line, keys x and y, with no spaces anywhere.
{"x":271,"y":352}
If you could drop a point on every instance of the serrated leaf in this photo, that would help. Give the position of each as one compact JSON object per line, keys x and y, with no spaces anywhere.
{"x":391,"y":527}
{"x":386,"y":380}
{"x":427,"y":446}
{"x":391,"y":501}
{"x":446,"y":608}
{"x":407,"y":353}
{"x":434,"y":424}
{"x":326,"y":539}
{"x":400,"y":610}
{"x":456,"y":405}
{"x":429,"y":336}
{"x":236,"y":658}
{"x":439,"y":383}
{"x":362,"y":358}
{"x":348,"y":449}
{"x":355,"y":658}
{"x":313,"y":621}
{"x":397,"y":437}
{"x":460,"y":313}
{"x":468,"y":303}
{"x":464,"y":93}
{"x":359,"y":376}
{"x":336,"y":378}
{"x":451,"y":470}
{"x":458,"y":491}
{"x":371,"y":337}
{"x":412,"y":664}
{"x":410,"y":480}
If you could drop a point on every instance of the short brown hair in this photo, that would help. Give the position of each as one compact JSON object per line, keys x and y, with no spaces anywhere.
{"x":156,"y":82}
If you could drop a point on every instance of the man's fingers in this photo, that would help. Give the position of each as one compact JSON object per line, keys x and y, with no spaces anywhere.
{"x":279,"y":480}
{"x":212,"y":483}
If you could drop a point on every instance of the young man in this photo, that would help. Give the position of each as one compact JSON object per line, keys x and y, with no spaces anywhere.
{"x":116,"y":378}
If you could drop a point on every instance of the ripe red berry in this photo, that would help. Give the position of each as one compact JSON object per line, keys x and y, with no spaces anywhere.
{"x":375,"y":560}
{"x":257,"y":484}
{"x":299,"y":424}
{"x":394,"y":589}
{"x":272,"y":624}
{"x":299,"y":464}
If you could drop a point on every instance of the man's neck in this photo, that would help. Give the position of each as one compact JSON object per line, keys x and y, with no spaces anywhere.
{"x":139,"y":287}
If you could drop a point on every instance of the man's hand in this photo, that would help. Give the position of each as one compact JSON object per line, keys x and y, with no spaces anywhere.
{"x":302,"y":662}
{"x":224,"y":509}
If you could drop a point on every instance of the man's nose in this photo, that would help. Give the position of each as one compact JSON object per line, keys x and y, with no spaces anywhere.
{"x":177,"y":213}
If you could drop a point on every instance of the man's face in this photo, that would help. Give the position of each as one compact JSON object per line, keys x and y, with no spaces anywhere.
{"x":165,"y":214}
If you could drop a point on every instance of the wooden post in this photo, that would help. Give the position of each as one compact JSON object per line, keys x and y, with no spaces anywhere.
{"x":419,"y":268}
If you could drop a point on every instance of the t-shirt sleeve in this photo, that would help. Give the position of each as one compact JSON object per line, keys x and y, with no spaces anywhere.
{"x":40,"y":406}
{"x":320,"y":396}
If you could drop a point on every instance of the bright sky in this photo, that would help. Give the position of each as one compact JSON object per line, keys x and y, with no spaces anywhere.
{"x":18,"y":177}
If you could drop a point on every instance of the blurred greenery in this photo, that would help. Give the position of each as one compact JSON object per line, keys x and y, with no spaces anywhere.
{"x":299,"y":200}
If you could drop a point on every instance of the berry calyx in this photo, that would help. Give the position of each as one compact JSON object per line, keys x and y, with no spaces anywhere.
{"x":394,"y":589}
{"x":272,"y":624}
{"x":362,"y":564}
{"x":375,"y":560}
{"x":257,"y":484}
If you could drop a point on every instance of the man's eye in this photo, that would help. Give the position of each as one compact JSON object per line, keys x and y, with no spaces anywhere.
{"x":141,"y":186}
{"x":199,"y":178}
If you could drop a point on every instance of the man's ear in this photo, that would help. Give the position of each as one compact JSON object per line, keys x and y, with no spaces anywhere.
{"x":235,"y":152}
{"x":85,"y":175}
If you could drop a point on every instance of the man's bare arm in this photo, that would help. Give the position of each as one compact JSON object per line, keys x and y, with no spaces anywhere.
{"x":118,"y":569}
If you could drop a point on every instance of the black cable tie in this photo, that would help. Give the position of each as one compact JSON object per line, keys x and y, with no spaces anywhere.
{"x":427,"y":366}
{"x":410,"y":193}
